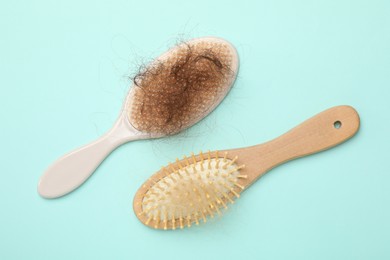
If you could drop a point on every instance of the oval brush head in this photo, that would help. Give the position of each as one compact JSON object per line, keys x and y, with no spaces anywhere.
{"x":194,"y":188}
{"x":182,"y":86}
{"x":189,"y":190}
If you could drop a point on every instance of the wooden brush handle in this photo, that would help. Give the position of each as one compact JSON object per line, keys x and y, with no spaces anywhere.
{"x":321,"y":132}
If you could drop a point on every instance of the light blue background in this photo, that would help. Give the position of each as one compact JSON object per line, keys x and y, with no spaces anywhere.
{"x":64,"y":68}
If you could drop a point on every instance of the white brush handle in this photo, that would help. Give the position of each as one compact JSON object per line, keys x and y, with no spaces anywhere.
{"x":74,"y":168}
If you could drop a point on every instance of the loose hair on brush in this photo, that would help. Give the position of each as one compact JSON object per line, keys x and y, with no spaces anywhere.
{"x":174,"y":91}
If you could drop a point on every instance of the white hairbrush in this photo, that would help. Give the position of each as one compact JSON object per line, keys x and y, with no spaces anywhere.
{"x":174,"y":92}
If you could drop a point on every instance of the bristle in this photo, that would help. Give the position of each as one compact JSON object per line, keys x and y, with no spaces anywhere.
{"x":224,"y":157}
{"x":217,"y":209}
{"x":203,"y":216}
{"x":181,"y":220}
{"x":237,"y":184}
{"x":226,"y":196}
{"x":189,"y":221}
{"x":196,"y":218}
{"x":173,"y":222}
{"x":165,"y":171}
{"x":172,"y":168}
{"x":229,"y":163}
{"x":187,"y":162}
{"x":156,"y":219}
{"x":217,"y":159}
{"x":193,"y":158}
{"x":201,"y":161}
{"x":179,"y":164}
{"x":149,"y":219}
{"x":165,"y":221}
{"x":191,"y":190}
{"x":209,"y":160}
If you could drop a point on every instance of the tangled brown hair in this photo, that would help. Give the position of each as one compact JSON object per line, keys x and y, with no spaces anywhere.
{"x":177,"y":90}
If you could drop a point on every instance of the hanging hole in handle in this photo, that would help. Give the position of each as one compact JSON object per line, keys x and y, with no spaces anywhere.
{"x":337,"y":124}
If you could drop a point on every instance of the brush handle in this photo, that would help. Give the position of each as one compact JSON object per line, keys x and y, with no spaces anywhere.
{"x":323,"y":131}
{"x":73,"y":169}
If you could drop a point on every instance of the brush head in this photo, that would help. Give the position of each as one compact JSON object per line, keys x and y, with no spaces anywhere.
{"x":189,"y":191}
{"x":182,"y":86}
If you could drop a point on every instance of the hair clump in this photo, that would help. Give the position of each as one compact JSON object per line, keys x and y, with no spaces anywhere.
{"x":176,"y":91}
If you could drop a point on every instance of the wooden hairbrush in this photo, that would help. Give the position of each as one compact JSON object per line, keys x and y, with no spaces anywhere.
{"x":197,"y":187}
